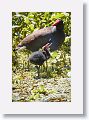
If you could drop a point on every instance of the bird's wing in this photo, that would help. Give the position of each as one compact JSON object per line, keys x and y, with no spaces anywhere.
{"x":37,"y":35}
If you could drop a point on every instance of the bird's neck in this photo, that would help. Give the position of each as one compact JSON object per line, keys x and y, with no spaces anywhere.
{"x":57,"y":28}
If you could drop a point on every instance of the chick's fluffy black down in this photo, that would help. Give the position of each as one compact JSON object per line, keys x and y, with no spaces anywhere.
{"x":37,"y":58}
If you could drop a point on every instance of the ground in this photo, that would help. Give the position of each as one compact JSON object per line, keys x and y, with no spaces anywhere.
{"x":42,"y":90}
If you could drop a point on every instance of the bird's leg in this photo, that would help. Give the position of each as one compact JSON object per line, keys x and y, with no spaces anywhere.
{"x":46,"y":65}
{"x":43,"y":68}
{"x":38,"y":71}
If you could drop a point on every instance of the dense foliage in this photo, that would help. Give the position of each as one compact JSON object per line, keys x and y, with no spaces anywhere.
{"x":24,"y":23}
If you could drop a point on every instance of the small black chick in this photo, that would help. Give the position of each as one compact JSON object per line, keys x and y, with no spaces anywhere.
{"x":39,"y":57}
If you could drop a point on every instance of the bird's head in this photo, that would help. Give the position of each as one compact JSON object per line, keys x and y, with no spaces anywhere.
{"x":59,"y":24}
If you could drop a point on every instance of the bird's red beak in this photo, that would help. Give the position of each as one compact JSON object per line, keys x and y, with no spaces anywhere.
{"x":57,"y":21}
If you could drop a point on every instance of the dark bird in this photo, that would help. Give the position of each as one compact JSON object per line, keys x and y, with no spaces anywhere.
{"x":53,"y":34}
{"x":39,"y":57}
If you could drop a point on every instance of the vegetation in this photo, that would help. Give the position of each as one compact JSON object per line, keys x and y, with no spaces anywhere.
{"x":59,"y":65}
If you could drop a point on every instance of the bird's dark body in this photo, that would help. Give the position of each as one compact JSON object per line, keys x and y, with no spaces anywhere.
{"x":43,"y":36}
{"x":37,"y":39}
{"x":37,"y":58}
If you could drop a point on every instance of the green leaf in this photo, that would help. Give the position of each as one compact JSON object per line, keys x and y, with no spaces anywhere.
{"x":54,"y":54}
{"x":26,"y":20}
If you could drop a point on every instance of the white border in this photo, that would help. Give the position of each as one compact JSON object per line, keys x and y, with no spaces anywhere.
{"x":6,"y":104}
